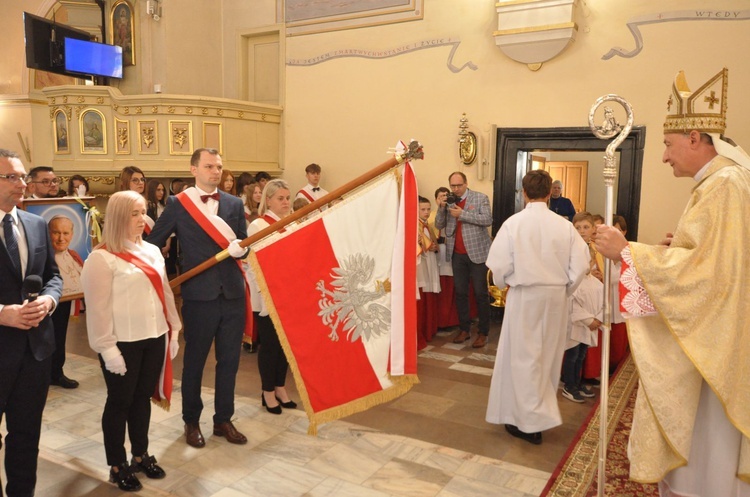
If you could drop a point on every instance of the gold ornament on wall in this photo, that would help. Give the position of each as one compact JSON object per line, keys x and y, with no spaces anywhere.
{"x":148,"y":137}
{"x":122,"y":137}
{"x":467,"y":142}
{"x":181,"y":137}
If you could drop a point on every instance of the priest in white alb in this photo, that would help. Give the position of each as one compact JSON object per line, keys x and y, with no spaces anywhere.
{"x":543,"y":259}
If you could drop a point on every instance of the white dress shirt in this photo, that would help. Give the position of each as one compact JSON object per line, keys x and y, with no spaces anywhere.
{"x":121,"y":303}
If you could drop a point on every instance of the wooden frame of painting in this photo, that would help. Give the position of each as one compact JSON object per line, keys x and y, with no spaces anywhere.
{"x":92,"y":127}
{"x":213,"y":136}
{"x":148,"y":137}
{"x":122,"y":30}
{"x":62,"y":137}
{"x":180,"y":138}
{"x":122,"y":137}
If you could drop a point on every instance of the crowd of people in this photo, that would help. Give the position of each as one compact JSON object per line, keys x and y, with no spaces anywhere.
{"x":550,"y":257}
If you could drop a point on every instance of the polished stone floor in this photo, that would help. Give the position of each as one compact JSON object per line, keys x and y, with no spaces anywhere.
{"x":433,"y":441}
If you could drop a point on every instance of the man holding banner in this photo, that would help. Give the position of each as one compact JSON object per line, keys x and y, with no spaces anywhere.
{"x":207,"y":221}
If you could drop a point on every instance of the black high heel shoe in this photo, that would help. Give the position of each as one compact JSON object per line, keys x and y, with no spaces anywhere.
{"x":148,"y":466}
{"x":272,"y":410}
{"x":124,"y":478}
{"x":287,"y":405}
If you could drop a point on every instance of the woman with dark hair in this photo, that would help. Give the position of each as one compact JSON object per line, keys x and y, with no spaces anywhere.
{"x":252,"y":202}
{"x":243,"y":181}
{"x":156,"y":201}
{"x":132,"y":178}
{"x":75,"y":185}
{"x":156,"y":198}
{"x":226,"y":183}
{"x":272,"y":363}
{"x":135,"y":348}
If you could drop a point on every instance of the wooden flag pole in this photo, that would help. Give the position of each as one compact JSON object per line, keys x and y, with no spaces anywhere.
{"x":413,"y":152}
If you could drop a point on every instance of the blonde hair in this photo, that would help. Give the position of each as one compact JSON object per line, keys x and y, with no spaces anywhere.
{"x":268,"y":191}
{"x":119,"y":211}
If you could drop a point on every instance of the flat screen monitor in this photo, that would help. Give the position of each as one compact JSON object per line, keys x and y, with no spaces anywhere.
{"x":97,"y":59}
{"x":44,"y":43}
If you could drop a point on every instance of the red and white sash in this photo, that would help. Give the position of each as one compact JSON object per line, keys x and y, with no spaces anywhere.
{"x":149,"y":224}
{"x":77,"y":305}
{"x":163,"y":392}
{"x":307,"y":195}
{"x":221,"y":233}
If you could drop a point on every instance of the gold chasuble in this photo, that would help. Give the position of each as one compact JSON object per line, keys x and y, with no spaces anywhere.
{"x":700,"y":286}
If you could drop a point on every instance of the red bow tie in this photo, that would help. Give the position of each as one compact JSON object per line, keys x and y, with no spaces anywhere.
{"x":214,"y":196}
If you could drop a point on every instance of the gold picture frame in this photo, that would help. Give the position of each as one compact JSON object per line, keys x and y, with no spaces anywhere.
{"x":213,"y":136}
{"x":122,"y":137}
{"x":180,"y":138}
{"x":62,"y":136}
{"x":92,"y":126}
{"x":122,"y":30}
{"x":148,"y":137}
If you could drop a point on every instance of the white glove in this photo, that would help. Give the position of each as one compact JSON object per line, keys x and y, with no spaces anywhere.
{"x":174,"y":347}
{"x":235,"y":250}
{"x":116,"y":365}
{"x":81,"y":190}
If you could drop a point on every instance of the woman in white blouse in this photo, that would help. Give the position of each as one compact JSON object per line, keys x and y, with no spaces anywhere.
{"x":133,"y":325}
{"x":272,"y":364}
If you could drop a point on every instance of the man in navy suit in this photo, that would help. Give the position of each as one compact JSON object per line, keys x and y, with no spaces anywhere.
{"x":213,"y":308}
{"x":27,"y":338}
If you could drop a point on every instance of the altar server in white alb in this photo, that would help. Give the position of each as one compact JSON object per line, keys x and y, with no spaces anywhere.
{"x":543,"y":259}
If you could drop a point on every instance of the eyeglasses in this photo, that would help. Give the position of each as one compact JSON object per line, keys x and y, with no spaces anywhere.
{"x":137,"y":180}
{"x":47,"y":182}
{"x":15,"y":178}
{"x":457,"y":186}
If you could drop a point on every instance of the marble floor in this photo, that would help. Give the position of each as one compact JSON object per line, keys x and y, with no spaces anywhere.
{"x":433,"y":441}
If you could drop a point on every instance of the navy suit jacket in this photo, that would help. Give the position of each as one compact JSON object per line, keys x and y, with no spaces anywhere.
{"x":41,"y":262}
{"x":225,"y":278}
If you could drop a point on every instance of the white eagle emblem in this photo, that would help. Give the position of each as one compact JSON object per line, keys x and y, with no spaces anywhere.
{"x":351,"y":304}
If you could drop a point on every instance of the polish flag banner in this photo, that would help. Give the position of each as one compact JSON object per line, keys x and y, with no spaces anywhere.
{"x":341,"y":291}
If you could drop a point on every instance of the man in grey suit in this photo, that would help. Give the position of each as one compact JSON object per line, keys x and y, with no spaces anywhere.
{"x":467,"y":243}
{"x":27,"y":338}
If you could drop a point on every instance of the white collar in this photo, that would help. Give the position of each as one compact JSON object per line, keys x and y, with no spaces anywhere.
{"x":13,"y":213}
{"x":203,"y":192}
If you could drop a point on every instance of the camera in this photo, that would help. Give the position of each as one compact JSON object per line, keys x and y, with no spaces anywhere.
{"x":452,"y":199}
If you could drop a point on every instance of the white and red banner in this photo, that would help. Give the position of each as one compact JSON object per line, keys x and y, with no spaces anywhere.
{"x":341,"y":290}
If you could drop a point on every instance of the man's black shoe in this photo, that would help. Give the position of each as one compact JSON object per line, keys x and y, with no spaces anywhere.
{"x":65,"y":382}
{"x":532,"y":438}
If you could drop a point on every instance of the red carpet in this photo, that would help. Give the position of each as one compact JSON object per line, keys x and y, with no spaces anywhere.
{"x":576,"y":474}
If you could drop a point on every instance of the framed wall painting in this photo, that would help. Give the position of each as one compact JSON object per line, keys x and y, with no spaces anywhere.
{"x":122,"y":30}
{"x":92,"y":132}
{"x":212,"y":136}
{"x":148,"y":137}
{"x":180,"y":137}
{"x":122,"y":137}
{"x":60,"y":123}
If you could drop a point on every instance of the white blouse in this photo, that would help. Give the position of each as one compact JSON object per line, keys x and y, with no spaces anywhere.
{"x":121,"y":303}
{"x":256,"y":299}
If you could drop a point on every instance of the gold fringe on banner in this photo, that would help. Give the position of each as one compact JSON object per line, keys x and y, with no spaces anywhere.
{"x":401,"y":384}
